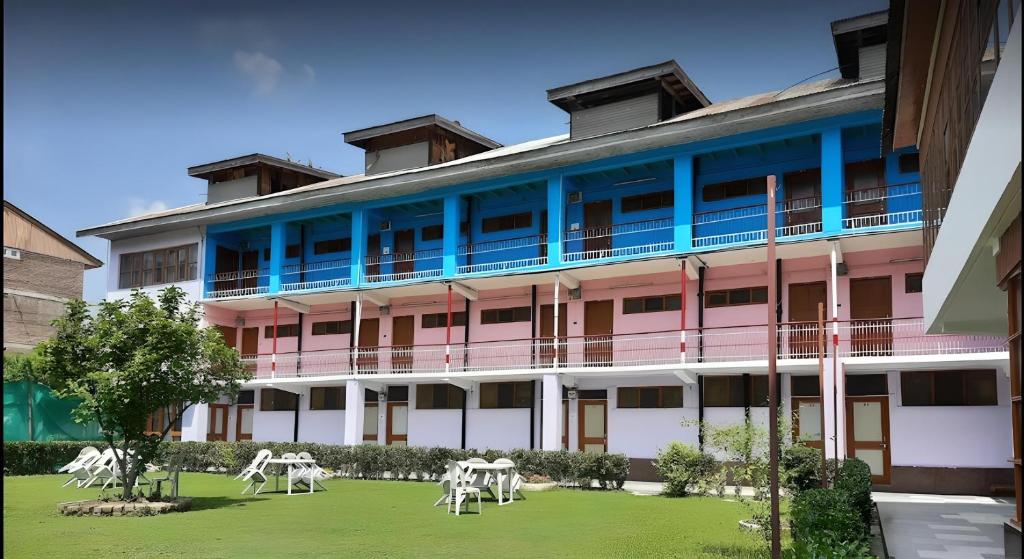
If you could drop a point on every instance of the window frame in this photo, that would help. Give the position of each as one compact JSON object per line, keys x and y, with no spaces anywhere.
{"x":170,"y":259}
{"x":965,"y":377}
{"x":436,"y":232}
{"x":454,"y":397}
{"x":271,"y":404}
{"x":752,"y":297}
{"x":440,"y":319}
{"x":908,"y":286}
{"x":323,"y":406}
{"x":647,"y":201}
{"x":670,"y":302}
{"x":506,"y":222}
{"x":750,"y":186}
{"x":324,"y":327}
{"x":283,"y":331}
{"x":520,"y":392}
{"x":494,"y":316}
{"x":332,"y":246}
{"x":622,"y":391}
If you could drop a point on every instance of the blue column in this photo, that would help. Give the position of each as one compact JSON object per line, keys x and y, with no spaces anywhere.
{"x":832,"y":178}
{"x":278,"y":241}
{"x":452,"y":218}
{"x":682,"y":211}
{"x":209,"y":263}
{"x":556,"y":219}
{"x":358,"y":246}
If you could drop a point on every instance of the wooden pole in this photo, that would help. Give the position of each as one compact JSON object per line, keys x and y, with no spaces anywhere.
{"x":773,"y":383}
{"x":821,"y":389}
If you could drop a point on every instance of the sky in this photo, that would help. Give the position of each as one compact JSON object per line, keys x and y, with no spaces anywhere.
{"x":106,"y":104}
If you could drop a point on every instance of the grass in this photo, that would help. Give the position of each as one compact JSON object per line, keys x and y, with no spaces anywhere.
{"x":374,"y":519}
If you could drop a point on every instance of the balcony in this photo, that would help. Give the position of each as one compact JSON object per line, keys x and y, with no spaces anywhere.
{"x":891,"y":205}
{"x":748,"y":224}
{"x":503,"y":255}
{"x":636,"y":238}
{"x":404,"y":266}
{"x":238,"y":284}
{"x":316,"y":275}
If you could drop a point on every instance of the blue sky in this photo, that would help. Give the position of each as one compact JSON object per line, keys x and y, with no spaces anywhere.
{"x":107,"y":103}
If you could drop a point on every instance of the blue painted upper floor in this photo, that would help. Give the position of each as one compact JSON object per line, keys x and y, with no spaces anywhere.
{"x":678,"y":200}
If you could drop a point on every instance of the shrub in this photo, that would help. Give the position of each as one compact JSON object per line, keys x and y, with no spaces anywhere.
{"x":825,"y":514}
{"x":801,"y":468}
{"x":683,"y":467}
{"x":854,"y":479}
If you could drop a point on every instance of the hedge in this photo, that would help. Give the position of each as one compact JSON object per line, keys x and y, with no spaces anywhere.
{"x":839,"y":517}
{"x":366,"y":461}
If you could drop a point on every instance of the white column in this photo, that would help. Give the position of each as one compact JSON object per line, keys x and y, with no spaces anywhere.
{"x":354,"y":407}
{"x":835,"y":426}
{"x":551,"y":410}
{"x":195,"y":422}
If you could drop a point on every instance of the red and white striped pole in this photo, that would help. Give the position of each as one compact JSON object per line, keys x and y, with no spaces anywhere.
{"x":682,"y":311}
{"x":448,"y":333}
{"x":273,"y":350}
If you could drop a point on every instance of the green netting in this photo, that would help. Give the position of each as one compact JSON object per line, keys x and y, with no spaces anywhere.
{"x":51,"y":416}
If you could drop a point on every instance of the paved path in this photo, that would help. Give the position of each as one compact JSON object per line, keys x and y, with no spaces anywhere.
{"x":943,"y":527}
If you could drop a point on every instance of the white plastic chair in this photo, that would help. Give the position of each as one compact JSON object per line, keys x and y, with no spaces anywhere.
{"x":460,"y":490}
{"x":253,"y":473}
{"x":481,"y":480}
{"x":300,"y":474}
{"x":83,"y":455}
{"x":512,"y":482}
{"x":316,"y":472}
{"x":79,"y":467}
{"x":446,"y":488}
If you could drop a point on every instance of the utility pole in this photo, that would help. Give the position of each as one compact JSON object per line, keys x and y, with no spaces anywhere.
{"x":773,"y":383}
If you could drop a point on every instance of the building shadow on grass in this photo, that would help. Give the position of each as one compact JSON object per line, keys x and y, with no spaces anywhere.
{"x":210,"y":503}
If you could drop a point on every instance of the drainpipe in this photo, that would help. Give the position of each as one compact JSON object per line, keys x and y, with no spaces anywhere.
{"x":533,"y":416}
{"x":465,"y":339}
{"x":682,"y":310}
{"x":700,"y":356}
{"x":351,"y":335}
{"x":465,"y":397}
{"x":295,"y":430}
{"x":298,"y":348}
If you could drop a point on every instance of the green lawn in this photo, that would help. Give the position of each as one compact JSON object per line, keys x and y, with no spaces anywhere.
{"x":373,"y":519}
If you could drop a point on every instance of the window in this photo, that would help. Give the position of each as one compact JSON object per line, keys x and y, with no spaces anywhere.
{"x":759,"y":390}
{"x":735,"y":189}
{"x":504,"y":316}
{"x":507,"y":222}
{"x":329,"y":246}
{"x":948,"y":388}
{"x":166,"y":265}
{"x":246,"y":397}
{"x":331,"y":327}
{"x":805,"y":386}
{"x":439,"y":397}
{"x":157,"y":422}
{"x":649,"y":201}
{"x":650,"y":397}
{"x":910,"y":163}
{"x":656,"y":303}
{"x":440,"y":319}
{"x":290,"y":251}
{"x":272,"y":399}
{"x":734,"y":297}
{"x":398,"y":393}
{"x":327,"y":398}
{"x":432,"y":233}
{"x":731,"y":392}
{"x":912,"y":283}
{"x":866,"y":385}
{"x":283,"y":331}
{"x":498,"y":395}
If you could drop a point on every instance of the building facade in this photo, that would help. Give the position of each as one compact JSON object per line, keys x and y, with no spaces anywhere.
{"x":42,"y":271}
{"x":954,"y":92}
{"x":602,"y":290}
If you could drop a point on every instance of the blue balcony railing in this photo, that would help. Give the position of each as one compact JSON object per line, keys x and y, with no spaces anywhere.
{"x":890,"y":205}
{"x":636,"y":238}
{"x":798,"y":216}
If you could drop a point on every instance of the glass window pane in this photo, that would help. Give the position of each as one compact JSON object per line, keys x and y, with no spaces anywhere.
{"x":627,"y":397}
{"x":949,"y":388}
{"x":523,"y":394}
{"x":672,"y":397}
{"x":916,"y":388}
{"x":488,"y":395}
{"x":649,"y":397}
{"x":981,"y":388}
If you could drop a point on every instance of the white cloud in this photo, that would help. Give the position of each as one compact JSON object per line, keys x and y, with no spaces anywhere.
{"x":309,"y":72}
{"x":138,"y":206}
{"x":264,"y":71}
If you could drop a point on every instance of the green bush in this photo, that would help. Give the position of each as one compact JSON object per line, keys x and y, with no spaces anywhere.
{"x":854,"y":479}
{"x":825,"y":514}
{"x":801,"y":468}
{"x":366,"y":461}
{"x":682,"y":467}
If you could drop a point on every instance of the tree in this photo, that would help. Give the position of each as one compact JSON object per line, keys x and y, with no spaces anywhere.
{"x":134,"y":358}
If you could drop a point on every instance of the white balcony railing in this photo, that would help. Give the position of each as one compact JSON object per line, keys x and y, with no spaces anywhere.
{"x":316,"y":275}
{"x":799,"y":216}
{"x":897,"y":204}
{"x":402,"y":266}
{"x":503,"y":254}
{"x":238,"y":283}
{"x":637,"y":238}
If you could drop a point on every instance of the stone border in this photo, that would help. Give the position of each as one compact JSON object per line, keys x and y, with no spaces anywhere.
{"x":121,"y":508}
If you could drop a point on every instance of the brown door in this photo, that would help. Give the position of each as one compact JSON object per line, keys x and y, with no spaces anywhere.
{"x":227,"y":262}
{"x":871,"y":316}
{"x":865,"y":189}
{"x":243,"y":422}
{"x":867,"y":434}
{"x":593,"y":425}
{"x":250,"y":262}
{"x":405,"y":246}
{"x":402,"y":328}
{"x":230,"y":335}
{"x":597,"y":332}
{"x":398,"y":424}
{"x":369,"y":339}
{"x":803,"y":317}
{"x":597,"y":228}
{"x":546,"y":343}
{"x":251,"y":346}
{"x":218,"y":425}
{"x":803,"y":200}
{"x":373,"y":256}
{"x":807,"y":418}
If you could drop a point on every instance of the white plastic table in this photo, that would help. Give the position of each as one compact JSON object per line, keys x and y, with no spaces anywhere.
{"x":291,"y":463}
{"x":500,"y":470}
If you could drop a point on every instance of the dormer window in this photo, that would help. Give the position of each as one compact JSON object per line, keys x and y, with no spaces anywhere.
{"x":416,"y":142}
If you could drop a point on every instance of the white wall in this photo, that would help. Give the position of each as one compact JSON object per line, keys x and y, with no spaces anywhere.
{"x":950,"y":436}
{"x":169,"y":239}
{"x":641,"y":433}
{"x":322,"y":426}
{"x":275,"y":426}
{"x":502,"y":429}
{"x":433,"y":427}
{"x":195,"y":422}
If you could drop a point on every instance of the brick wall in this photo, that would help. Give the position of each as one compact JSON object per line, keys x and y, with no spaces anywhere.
{"x":26,"y":317}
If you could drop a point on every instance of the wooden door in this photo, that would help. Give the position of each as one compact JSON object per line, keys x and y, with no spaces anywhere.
{"x":865,"y":189}
{"x":402,"y":332}
{"x":546,"y":345}
{"x":803,"y":200}
{"x":243,"y":422}
{"x":218,"y":423}
{"x":597,"y":228}
{"x":405,"y":247}
{"x":597,"y":332}
{"x":593,"y":425}
{"x":369,"y":339}
{"x":871,"y":316}
{"x":372,"y":256}
{"x":803,"y":317}
{"x":251,"y":264}
{"x":230,"y":335}
{"x":226,"y":263}
{"x":398,"y":424}
{"x":251,"y":346}
{"x":807,"y":418}
{"x":867,"y":434}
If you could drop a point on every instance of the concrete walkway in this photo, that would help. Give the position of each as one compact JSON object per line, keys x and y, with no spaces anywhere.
{"x":943,"y":526}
